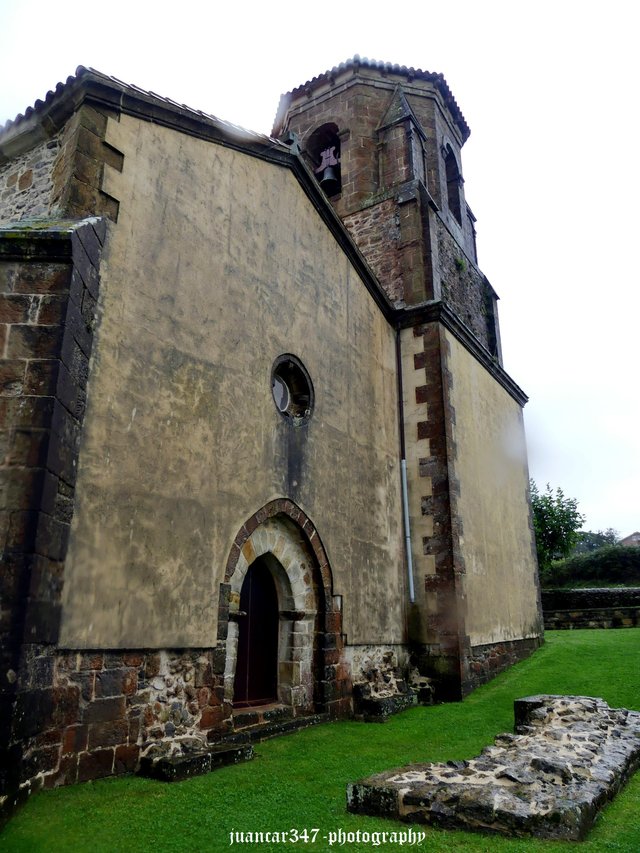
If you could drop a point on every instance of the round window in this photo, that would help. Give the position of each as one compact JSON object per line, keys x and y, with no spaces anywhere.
{"x":291,"y":387}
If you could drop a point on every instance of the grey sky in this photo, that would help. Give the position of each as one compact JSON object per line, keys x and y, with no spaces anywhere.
{"x":550,"y":92}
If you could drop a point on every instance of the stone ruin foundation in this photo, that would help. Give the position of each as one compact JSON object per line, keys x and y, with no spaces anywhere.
{"x":569,"y":755}
{"x":380,"y":684}
{"x":384,"y":683}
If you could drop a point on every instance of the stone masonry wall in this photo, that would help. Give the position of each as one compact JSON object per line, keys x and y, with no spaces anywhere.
{"x":33,"y":297}
{"x":391,"y":235}
{"x":487,"y":661}
{"x":48,"y":293}
{"x":387,"y":223}
{"x":395,"y":164}
{"x":62,"y":176}
{"x":96,"y":712}
{"x":356,"y":110}
{"x":381,"y":661}
{"x":384,"y":202}
{"x":464,"y":288}
{"x":79,"y":169}
{"x":357,"y":106}
{"x":376,"y":231}
{"x":591,"y":608}
{"x":443,"y":646}
{"x":26,"y":183}
{"x":32,"y":300}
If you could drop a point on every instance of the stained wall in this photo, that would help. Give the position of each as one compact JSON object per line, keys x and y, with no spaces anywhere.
{"x":217,"y":265}
{"x":496,"y":542}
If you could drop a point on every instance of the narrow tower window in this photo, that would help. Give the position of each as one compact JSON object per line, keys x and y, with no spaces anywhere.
{"x":454,"y":181}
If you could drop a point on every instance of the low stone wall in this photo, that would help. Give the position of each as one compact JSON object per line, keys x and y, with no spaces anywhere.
{"x":591,"y":608}
{"x":487,"y":661}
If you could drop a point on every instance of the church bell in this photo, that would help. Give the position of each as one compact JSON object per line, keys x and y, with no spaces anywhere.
{"x":329,"y":180}
{"x":328,"y":171}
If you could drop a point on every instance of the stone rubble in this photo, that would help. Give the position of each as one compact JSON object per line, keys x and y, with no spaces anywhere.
{"x":385,"y":689}
{"x":570,"y":754}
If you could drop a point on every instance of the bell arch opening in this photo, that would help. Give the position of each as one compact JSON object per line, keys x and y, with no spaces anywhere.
{"x":323,"y":150}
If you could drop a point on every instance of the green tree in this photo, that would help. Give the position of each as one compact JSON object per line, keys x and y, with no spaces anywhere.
{"x":588,"y":540}
{"x":556,"y":522}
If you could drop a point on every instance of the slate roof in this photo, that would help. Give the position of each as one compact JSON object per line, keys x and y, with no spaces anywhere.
{"x":357,"y":62}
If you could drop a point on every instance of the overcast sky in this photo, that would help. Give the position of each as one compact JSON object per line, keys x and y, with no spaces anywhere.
{"x":552,"y":170}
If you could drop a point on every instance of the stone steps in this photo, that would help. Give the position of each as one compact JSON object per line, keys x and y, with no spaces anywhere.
{"x":177,"y":768}
{"x":232,"y":748}
{"x":271,"y":728}
{"x":379,"y":709}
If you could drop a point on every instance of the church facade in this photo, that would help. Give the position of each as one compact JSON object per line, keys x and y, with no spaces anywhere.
{"x":258,"y":444}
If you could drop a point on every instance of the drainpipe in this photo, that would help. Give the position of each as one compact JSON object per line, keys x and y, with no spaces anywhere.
{"x":403,"y":472}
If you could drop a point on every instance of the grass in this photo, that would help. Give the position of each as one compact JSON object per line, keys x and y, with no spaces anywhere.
{"x":590,"y":585}
{"x":300,"y":780}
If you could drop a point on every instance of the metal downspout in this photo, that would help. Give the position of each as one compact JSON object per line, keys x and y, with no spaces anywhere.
{"x":403,"y":473}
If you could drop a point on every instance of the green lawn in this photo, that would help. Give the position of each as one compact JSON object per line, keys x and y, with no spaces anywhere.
{"x":299,"y":780}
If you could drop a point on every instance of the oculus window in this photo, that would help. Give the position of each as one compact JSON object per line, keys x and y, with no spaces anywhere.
{"x":291,"y":388}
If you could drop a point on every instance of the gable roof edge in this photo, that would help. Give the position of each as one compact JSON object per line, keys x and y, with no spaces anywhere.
{"x":89,"y":86}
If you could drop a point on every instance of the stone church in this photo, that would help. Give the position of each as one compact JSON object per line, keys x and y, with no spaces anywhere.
{"x":259,"y":451}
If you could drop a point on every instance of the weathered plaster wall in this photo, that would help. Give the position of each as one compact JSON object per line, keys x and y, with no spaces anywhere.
{"x":496,"y":539}
{"x":218,"y":264}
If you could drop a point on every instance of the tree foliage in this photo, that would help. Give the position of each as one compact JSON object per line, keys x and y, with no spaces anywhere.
{"x":556,"y":521}
{"x":588,"y":540}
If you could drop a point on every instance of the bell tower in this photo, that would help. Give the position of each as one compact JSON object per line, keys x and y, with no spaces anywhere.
{"x":384,"y":142}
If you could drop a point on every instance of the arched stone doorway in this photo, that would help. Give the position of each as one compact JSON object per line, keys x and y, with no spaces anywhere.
{"x":280,"y":545}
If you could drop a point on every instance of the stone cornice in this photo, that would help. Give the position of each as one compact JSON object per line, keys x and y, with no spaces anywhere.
{"x":385,"y":71}
{"x":439,"y":312}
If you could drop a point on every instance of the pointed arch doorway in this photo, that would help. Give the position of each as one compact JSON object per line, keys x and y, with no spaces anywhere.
{"x":256,"y":677}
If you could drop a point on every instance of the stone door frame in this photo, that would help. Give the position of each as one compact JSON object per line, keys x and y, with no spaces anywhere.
{"x":313,"y":676}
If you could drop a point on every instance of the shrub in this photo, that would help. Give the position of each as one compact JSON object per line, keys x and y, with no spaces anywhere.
{"x":613,"y":564}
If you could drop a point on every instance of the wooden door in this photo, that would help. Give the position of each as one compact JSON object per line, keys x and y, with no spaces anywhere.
{"x":256,"y":679}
